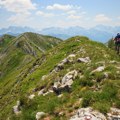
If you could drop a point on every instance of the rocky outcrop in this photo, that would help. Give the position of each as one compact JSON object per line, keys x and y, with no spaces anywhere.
{"x":67,"y":60}
{"x":66,"y":82}
{"x":16,"y":108}
{"x":88,"y":114}
{"x":39,"y":115}
{"x":114,"y":114}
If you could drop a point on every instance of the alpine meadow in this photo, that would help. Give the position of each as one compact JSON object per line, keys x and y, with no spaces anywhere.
{"x":59,"y":60}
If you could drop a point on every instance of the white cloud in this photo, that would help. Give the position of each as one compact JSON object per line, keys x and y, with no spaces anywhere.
{"x":59,"y":7}
{"x":20,"y":8}
{"x":76,"y":17}
{"x":17,"y":6}
{"x":19,"y":19}
{"x":101,"y":18}
{"x":72,"y":12}
{"x":41,"y":13}
{"x":83,"y":13}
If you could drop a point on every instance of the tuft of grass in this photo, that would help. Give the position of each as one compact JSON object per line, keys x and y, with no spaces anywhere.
{"x":103,"y":107}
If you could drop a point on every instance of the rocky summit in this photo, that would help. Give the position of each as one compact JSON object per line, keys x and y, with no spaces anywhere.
{"x":45,"y":78}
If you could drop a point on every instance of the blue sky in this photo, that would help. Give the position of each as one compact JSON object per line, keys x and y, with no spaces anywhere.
{"x":59,"y":13}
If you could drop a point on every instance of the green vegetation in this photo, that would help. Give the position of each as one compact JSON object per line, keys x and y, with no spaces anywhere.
{"x":5,"y":40}
{"x":24,"y":72}
{"x":110,"y":44}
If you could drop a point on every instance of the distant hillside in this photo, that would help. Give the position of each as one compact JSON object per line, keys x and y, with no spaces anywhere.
{"x":78,"y":78}
{"x":6,"y":38}
{"x":23,"y":50}
{"x":36,"y":42}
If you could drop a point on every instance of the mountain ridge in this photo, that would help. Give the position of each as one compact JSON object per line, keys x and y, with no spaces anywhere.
{"x":77,"y":73}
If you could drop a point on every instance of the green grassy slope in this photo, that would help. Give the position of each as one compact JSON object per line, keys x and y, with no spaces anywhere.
{"x":4,"y":40}
{"x":23,"y":49}
{"x":17,"y":57}
{"x":95,"y":90}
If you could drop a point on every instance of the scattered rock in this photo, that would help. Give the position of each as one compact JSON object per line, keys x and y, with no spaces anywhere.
{"x":59,"y":96}
{"x":106,"y":74}
{"x":84,"y":60}
{"x":31,"y":96}
{"x":65,"y":83}
{"x":69,"y":77}
{"x":16,"y":108}
{"x":44,"y":77}
{"x":49,"y":91}
{"x":61,"y":113}
{"x":60,"y":66}
{"x":71,"y":57}
{"x":39,"y":115}
{"x":88,"y":114}
{"x":114,"y":114}
{"x":67,"y":60}
{"x":99,"y":69}
{"x":41,"y":92}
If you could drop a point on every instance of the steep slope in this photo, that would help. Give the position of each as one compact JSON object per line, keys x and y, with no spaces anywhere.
{"x":29,"y":41}
{"x":77,"y":73}
{"x":18,"y":55}
{"x":4,"y":40}
{"x":26,"y":47}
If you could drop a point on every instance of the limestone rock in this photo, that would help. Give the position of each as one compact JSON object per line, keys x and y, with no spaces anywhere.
{"x":44,"y":77}
{"x":69,"y":59}
{"x":99,"y":69}
{"x":72,"y":56}
{"x":41,"y":92}
{"x":65,"y":61}
{"x":16,"y":108}
{"x":84,"y":60}
{"x":88,"y":114}
{"x":114,"y":114}
{"x":59,"y":96}
{"x":66,"y":82}
{"x":69,"y":77}
{"x":39,"y":115}
{"x":49,"y":91}
{"x":106,"y":74}
{"x":31,"y":96}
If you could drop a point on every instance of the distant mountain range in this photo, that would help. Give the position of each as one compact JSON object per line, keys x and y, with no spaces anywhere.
{"x":15,"y":30}
{"x":98,"y":33}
